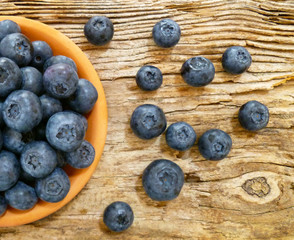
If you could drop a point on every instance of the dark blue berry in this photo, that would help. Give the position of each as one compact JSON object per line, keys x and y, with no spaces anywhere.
{"x":9,"y":170}
{"x":54,"y":187}
{"x":60,"y":80}
{"x":215,"y":144}
{"x":149,"y":78}
{"x":38,"y":159}
{"x":59,"y":59}
{"x":32,"y":80}
{"x":3,"y":205}
{"x":84,"y":98}
{"x":99,"y":30}
{"x":118,"y":216}
{"x":65,"y":131}
{"x":7,"y":27}
{"x":40,"y":131}
{"x":42,"y":52}
{"x":180,"y":136}
{"x":61,"y":162}
{"x":253,"y":116}
{"x":82,"y":157}
{"x":163,"y":180}
{"x":148,"y":121}
{"x":1,"y":115}
{"x":50,"y":106}
{"x":26,"y":178}
{"x":21,"y":196}
{"x":198,"y":71}
{"x":236,"y":60}
{"x":82,"y":117}
{"x":22,"y":110}
{"x":10,"y":76}
{"x":15,"y":141}
{"x":18,"y":48}
{"x":166,"y":33}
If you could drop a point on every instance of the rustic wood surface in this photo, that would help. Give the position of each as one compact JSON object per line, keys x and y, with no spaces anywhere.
{"x":248,"y":195}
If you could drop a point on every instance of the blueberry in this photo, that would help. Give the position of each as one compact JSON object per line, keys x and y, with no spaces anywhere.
{"x":65,"y":131}
{"x":163,"y":180}
{"x":118,"y":216}
{"x":10,"y":76}
{"x":60,"y":159}
{"x":21,"y":196}
{"x":9,"y":170}
{"x":26,"y":178}
{"x":18,"y":48}
{"x":253,"y":116}
{"x":99,"y":30}
{"x":32,"y":80}
{"x":84,"y":98}
{"x":148,"y":121}
{"x":180,"y":136}
{"x":82,"y":157}
{"x":59,"y":59}
{"x":236,"y":60}
{"x":82,"y":117}
{"x":42,"y":52}
{"x":50,"y":106}
{"x":1,"y":115}
{"x":215,"y":144}
{"x":149,"y":78}
{"x":54,"y":187}
{"x":15,"y":141}
{"x":198,"y":71}
{"x":60,"y":80}
{"x":38,"y":159}
{"x":166,"y":33}
{"x":40,"y":131}
{"x":7,"y":27}
{"x":22,"y":110}
{"x":3,"y":205}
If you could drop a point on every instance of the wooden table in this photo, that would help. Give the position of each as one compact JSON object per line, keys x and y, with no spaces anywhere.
{"x":248,"y":195}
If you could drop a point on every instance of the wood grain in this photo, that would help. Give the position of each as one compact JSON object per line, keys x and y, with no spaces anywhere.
{"x":248,"y":195}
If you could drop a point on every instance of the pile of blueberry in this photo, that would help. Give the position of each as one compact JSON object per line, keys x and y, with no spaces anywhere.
{"x":42,"y":103}
{"x":163,"y":179}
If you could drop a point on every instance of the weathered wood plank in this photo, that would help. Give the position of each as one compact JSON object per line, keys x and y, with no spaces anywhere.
{"x":248,"y":195}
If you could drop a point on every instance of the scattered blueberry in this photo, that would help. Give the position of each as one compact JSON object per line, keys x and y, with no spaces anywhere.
{"x":215,"y":144}
{"x":9,"y":170}
{"x":60,"y":80}
{"x":253,"y":116}
{"x":50,"y":106}
{"x":10,"y":76}
{"x":15,"y":141}
{"x":118,"y":216}
{"x":163,"y":180}
{"x":84,"y":98}
{"x":198,"y":71}
{"x":236,"y":60}
{"x":21,"y":196}
{"x":82,"y":157}
{"x":149,"y":78}
{"x":18,"y":48}
{"x":180,"y":136}
{"x":99,"y":30}
{"x":7,"y":27}
{"x":148,"y":121}
{"x":59,"y":59}
{"x":32,"y":80}
{"x":166,"y":33}
{"x":42,"y":52}
{"x":65,"y":131}
{"x":38,"y":159}
{"x":3,"y":205}
{"x":54,"y":187}
{"x":22,"y":110}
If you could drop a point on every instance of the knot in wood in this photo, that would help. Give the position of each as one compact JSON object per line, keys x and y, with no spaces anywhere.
{"x":257,"y":186}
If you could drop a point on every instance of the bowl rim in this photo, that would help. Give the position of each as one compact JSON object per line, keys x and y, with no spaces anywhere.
{"x":96,"y":133}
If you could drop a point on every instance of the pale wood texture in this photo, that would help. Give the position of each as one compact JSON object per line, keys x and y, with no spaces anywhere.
{"x":248,"y":195}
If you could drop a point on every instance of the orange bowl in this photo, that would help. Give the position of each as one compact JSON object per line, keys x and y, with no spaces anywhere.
{"x":97,"y":119}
